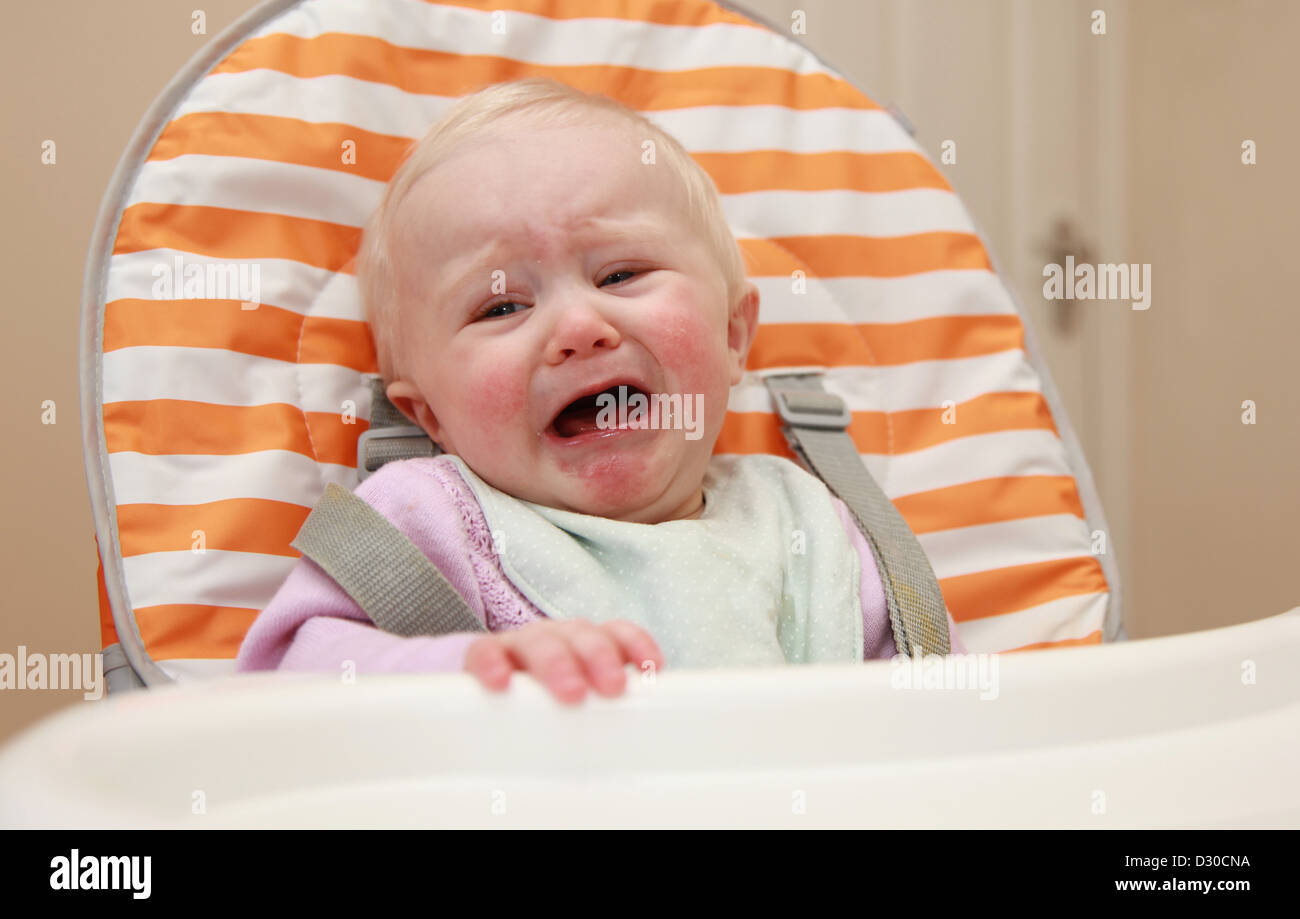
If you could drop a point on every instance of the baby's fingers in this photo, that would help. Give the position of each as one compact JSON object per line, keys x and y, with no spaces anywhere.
{"x":548,"y":657}
{"x":601,"y":655}
{"x":488,"y":660}
{"x":637,"y":645}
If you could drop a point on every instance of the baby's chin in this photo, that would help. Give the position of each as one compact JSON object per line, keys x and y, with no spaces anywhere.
{"x":601,"y":498}
{"x":634,"y":486}
{"x":645,"y":479}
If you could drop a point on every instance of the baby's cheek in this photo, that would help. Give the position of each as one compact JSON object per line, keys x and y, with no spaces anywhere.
{"x":695,"y":351}
{"x":697,"y":354}
{"x":494,"y":402}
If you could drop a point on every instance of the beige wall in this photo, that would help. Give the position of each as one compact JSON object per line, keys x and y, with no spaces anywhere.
{"x":1214,"y":502}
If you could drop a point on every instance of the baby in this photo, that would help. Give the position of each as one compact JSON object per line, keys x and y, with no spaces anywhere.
{"x":542,"y":258}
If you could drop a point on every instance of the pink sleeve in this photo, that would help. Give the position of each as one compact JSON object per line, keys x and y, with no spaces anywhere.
{"x":312,"y":624}
{"x":877,"y":633}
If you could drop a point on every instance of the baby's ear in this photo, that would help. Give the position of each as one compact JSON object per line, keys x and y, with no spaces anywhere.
{"x":407,"y":399}
{"x":742,"y":326}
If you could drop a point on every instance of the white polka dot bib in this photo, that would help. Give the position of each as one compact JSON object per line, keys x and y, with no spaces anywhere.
{"x":765,"y":575}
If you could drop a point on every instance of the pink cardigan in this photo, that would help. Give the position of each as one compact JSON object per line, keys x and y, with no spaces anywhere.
{"x":311,"y":624}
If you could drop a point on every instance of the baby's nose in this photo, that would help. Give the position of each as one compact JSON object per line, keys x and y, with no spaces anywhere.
{"x":580,"y":330}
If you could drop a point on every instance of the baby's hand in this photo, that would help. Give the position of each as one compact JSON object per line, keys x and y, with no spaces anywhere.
{"x":565,"y":655}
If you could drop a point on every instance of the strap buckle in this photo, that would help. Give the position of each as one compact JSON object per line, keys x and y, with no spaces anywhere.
{"x":802,"y":403}
{"x":366,"y":453}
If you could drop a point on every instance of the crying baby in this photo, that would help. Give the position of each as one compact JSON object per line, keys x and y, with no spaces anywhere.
{"x":557,"y":299}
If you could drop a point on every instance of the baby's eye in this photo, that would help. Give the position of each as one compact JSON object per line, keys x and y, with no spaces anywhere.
{"x":616,"y":274}
{"x":495,"y":310}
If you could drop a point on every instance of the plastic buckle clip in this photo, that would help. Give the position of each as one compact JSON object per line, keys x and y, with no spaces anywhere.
{"x":809,"y":408}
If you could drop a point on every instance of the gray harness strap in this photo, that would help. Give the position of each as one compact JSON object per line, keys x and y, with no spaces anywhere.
{"x":816,"y":426}
{"x":390,"y":437}
{"x":815,"y":423}
{"x":360,"y":549}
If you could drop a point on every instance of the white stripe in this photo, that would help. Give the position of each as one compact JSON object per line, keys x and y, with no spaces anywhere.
{"x":537,"y":39}
{"x":763,"y":214}
{"x":197,"y":375}
{"x":384,"y":109}
{"x":330,"y":389}
{"x":261,"y":186}
{"x":905,"y":387}
{"x":219,"y":377}
{"x":969,"y":459}
{"x":749,"y":128}
{"x":285,"y":284}
{"x":930,"y":384}
{"x":929,"y":295}
{"x":186,"y":669}
{"x":186,"y":479}
{"x":214,"y":577}
{"x":967,"y":550}
{"x":966,"y":460}
{"x":374,"y":107}
{"x":311,"y":193}
{"x":1059,"y":620}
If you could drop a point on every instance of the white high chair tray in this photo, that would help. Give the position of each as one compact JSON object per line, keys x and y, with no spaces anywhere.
{"x":1195,"y":730}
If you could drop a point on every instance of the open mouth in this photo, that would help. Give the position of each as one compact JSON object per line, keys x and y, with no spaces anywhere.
{"x":585,"y":414}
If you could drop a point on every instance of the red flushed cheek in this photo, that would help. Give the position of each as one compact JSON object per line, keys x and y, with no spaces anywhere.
{"x":494,"y":403}
{"x":690,"y":348}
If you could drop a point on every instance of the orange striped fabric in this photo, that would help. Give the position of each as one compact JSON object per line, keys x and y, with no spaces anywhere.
{"x":223,"y":424}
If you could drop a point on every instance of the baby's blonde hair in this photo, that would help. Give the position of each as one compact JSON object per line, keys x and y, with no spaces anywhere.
{"x":555,"y":104}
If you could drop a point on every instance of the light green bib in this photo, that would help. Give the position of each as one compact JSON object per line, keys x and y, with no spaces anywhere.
{"x":765,"y":575}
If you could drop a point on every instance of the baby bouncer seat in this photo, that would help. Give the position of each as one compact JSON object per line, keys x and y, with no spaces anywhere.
{"x":216,"y":415}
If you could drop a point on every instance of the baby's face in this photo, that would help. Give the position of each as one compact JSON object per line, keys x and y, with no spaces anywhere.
{"x":537,"y":267}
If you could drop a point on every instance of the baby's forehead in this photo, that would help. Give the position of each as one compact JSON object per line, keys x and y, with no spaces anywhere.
{"x":520,"y":129}
{"x":593,"y":191}
{"x":603,"y":191}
